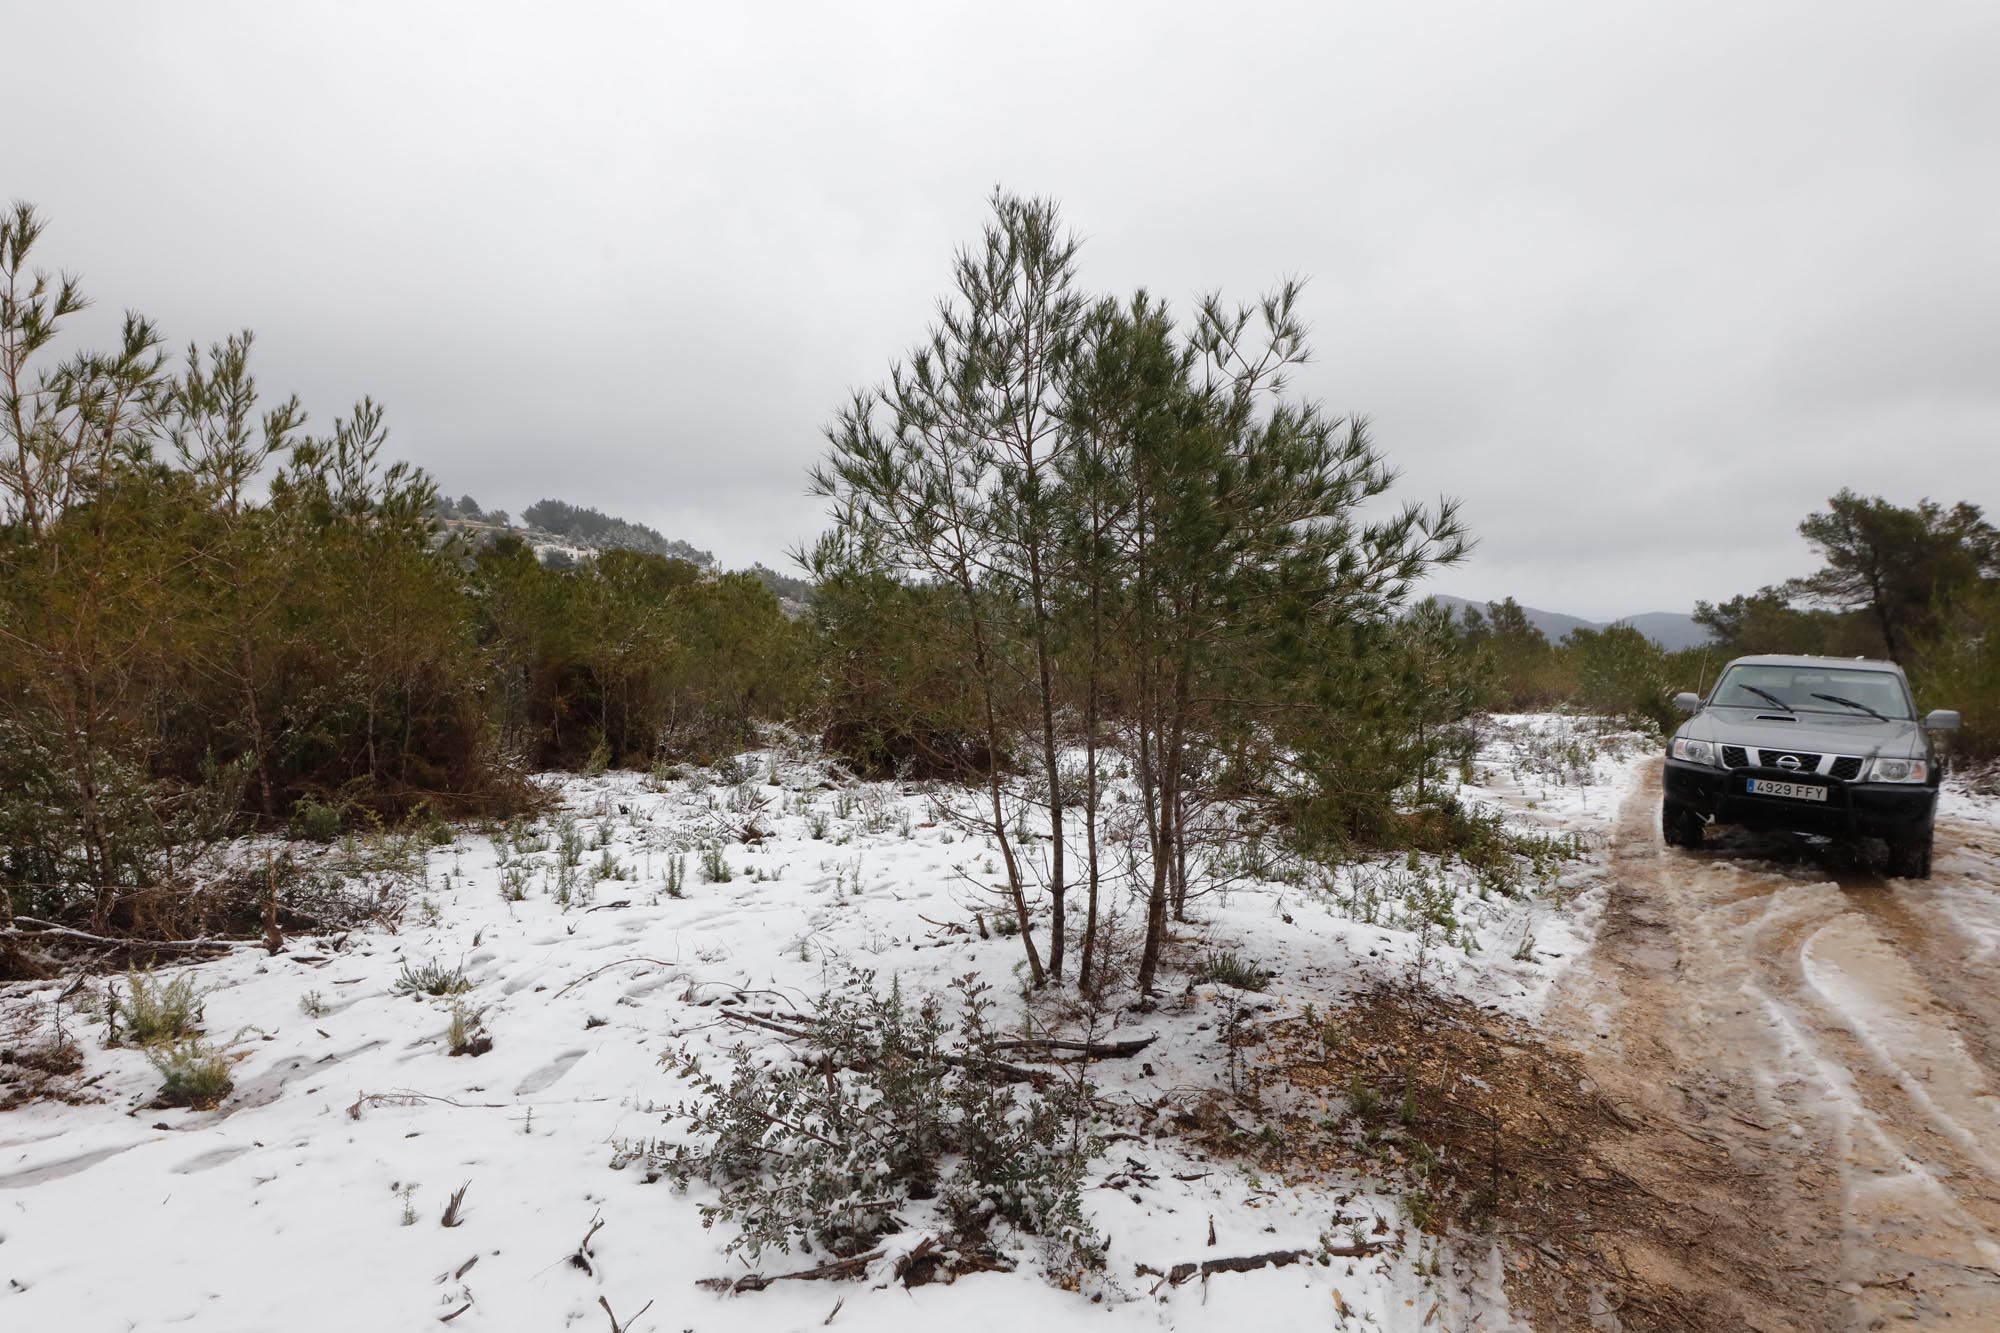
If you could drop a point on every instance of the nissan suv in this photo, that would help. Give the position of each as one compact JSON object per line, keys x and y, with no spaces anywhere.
{"x":1812,"y":745}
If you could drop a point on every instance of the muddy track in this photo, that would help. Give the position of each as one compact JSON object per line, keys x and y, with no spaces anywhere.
{"x":1816,"y":1051}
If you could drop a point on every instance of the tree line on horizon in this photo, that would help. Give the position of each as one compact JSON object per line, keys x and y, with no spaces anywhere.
{"x":1090,"y":557}
{"x":1916,"y":585}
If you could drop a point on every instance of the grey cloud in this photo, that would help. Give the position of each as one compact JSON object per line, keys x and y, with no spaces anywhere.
{"x":1643,"y":286}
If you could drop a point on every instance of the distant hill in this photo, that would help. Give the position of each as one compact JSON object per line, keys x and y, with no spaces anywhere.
{"x":564,"y":535}
{"x":1672,"y":630}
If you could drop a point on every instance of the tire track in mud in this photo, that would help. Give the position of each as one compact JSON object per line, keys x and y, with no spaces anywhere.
{"x":1839,"y":1038}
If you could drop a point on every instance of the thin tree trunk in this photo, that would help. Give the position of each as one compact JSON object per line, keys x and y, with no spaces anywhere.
{"x":1052,"y":765}
{"x":1086,"y":969}
{"x":1037,"y":976}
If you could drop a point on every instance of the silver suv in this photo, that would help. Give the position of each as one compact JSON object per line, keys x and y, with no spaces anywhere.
{"x":1827,"y":745}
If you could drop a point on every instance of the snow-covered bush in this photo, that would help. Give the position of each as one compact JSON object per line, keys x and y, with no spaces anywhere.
{"x":884,"y":1104}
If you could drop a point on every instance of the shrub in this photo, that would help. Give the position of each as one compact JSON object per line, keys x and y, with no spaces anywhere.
{"x":1226,"y":969}
{"x":432,"y":978}
{"x":196,"y":1074}
{"x":889,"y":1105}
{"x":315,"y":821}
{"x":154,"y":1011}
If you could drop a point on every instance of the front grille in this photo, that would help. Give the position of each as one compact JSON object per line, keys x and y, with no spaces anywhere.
{"x":1846,"y":768}
{"x":1808,"y":763}
{"x":1735,"y":756}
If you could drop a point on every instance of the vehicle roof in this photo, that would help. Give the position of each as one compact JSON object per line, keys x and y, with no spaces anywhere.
{"x":1800,"y":660}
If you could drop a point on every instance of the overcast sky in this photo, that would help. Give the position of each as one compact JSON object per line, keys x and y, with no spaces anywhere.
{"x":1642,"y":285}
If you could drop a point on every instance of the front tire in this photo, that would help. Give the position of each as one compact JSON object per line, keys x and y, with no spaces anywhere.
{"x":1680,"y":825}
{"x":1910,"y":858}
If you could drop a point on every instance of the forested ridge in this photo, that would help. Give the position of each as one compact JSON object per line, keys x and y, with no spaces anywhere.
{"x":1074,"y":534}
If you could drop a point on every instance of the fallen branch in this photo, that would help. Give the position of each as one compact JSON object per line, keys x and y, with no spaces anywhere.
{"x":47,"y":930}
{"x":837,"y":1268}
{"x":1089,"y":1050}
{"x":622,"y":962}
{"x":412,"y":1098}
{"x":617,"y":1327}
{"x":1012,"y":1073}
{"x":581,"y":1259}
{"x":1245,"y":1263}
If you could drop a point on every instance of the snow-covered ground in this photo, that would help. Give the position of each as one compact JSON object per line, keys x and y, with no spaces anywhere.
{"x":311,"y":1197}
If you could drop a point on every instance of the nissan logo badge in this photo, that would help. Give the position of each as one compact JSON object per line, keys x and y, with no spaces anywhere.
{"x":1789,"y":762}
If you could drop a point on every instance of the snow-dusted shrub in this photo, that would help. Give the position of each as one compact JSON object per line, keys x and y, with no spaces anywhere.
{"x":195,"y":1074}
{"x":159,"y":1011}
{"x":432,"y":978}
{"x":885,"y":1104}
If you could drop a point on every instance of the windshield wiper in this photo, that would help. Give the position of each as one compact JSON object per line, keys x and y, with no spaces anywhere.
{"x":1849,"y":703}
{"x":1768,"y":695}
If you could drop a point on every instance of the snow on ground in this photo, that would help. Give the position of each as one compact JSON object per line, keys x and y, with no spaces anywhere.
{"x":311,"y":1198}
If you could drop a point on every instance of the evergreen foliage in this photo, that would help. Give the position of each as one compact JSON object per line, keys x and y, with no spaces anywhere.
{"x":888,"y":1104}
{"x":216,"y":617}
{"x":588,"y":527}
{"x":1127,"y":531}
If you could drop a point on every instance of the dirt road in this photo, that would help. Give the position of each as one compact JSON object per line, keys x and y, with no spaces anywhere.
{"x":1817,"y":1050}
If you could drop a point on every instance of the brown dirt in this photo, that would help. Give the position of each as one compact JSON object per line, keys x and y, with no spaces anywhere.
{"x":1492,"y":1131}
{"x":1766,"y":1101}
{"x":1835,"y":1036}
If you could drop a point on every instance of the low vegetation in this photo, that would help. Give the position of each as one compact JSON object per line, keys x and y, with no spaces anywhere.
{"x":884,"y":1106}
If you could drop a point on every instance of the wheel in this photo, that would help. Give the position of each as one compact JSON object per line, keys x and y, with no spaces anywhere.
{"x":1910,"y":858}
{"x":1680,"y":825}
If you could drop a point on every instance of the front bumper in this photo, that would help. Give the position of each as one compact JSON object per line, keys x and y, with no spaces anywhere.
{"x":1851,"y":809}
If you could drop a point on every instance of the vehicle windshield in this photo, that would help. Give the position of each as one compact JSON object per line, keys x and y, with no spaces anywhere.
{"x":1806,"y":689}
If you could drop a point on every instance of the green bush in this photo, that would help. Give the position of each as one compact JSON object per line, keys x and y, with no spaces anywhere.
{"x":1227,"y":969}
{"x":154,"y":1011}
{"x":315,"y":821}
{"x":432,"y":978}
{"x":890,"y":1105}
{"x":196,"y":1074}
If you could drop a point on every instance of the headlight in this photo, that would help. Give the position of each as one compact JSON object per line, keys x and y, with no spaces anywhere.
{"x":1695,"y":752}
{"x":1898,"y":770}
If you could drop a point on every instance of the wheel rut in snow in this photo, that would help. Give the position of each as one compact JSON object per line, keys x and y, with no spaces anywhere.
{"x":1839,"y":1037}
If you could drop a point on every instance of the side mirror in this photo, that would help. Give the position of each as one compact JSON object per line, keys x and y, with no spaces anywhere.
{"x":1941,"y":719}
{"x":1690,"y":702}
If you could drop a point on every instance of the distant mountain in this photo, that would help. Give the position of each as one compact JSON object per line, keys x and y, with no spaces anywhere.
{"x":1672,"y":630}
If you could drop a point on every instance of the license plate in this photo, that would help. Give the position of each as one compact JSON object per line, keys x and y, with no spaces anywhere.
{"x":1797,"y":791}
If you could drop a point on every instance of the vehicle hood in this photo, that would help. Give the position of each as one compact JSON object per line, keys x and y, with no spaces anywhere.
{"x":1825,"y":733}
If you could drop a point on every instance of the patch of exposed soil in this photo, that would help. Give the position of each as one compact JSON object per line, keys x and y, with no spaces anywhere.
{"x":1493,"y":1131}
{"x":1827,"y":1038}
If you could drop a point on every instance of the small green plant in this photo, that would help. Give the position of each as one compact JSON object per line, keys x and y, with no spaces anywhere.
{"x":1362,"y":1098}
{"x":1420,"y":1206}
{"x":569,"y":844}
{"x":407,"y":1193}
{"x":514,"y":883}
{"x":315,"y":821}
{"x":467,"y":1035}
{"x":1006,"y":925}
{"x":599,"y":760}
{"x":432,"y":978}
{"x":714,"y":865}
{"x":797,"y":1160}
{"x":1226,"y":969}
{"x":817,"y":824}
{"x":154,"y":1011}
{"x":195,"y":1074}
{"x":313,"y":1004}
{"x":608,"y":867}
{"x":677,"y":869}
